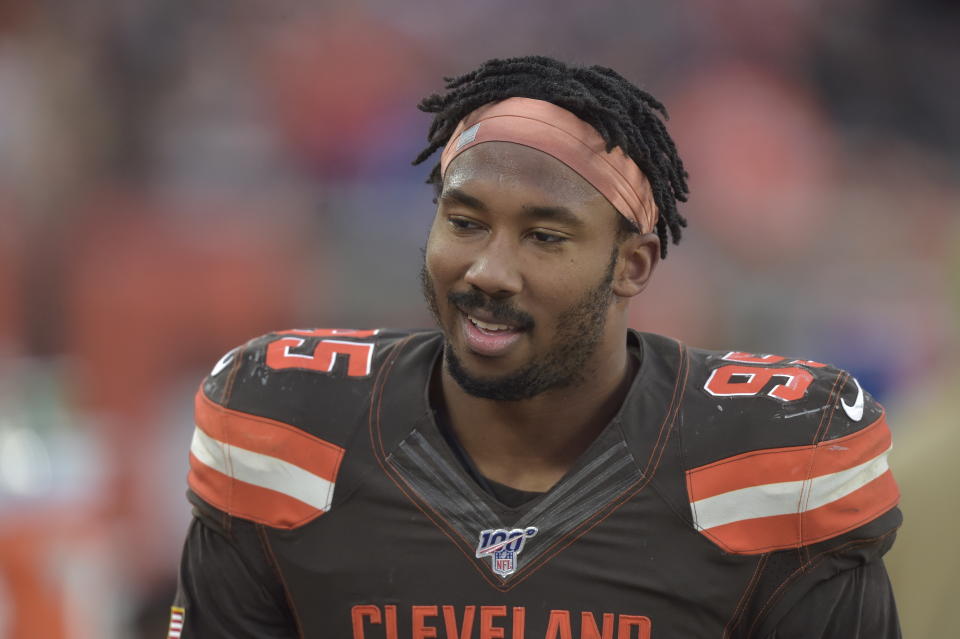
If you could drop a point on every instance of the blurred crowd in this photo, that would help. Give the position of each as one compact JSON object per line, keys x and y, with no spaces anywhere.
{"x":177,"y":176}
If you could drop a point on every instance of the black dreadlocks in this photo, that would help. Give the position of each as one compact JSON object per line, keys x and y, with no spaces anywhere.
{"x":624,"y":116}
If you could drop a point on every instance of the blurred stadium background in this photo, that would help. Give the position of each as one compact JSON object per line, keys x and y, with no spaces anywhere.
{"x":177,"y":176}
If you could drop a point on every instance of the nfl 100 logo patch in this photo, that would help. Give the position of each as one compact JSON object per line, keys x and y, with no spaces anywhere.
{"x":503,"y":546}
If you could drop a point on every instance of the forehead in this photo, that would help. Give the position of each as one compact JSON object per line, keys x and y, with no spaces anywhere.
{"x":520,"y":169}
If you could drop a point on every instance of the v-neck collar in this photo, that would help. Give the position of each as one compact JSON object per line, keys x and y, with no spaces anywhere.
{"x":414,"y":453}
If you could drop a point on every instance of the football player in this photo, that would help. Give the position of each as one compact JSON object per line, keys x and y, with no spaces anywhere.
{"x":535,"y":468}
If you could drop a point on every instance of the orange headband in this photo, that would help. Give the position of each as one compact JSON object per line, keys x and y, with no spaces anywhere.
{"x":557,"y":132}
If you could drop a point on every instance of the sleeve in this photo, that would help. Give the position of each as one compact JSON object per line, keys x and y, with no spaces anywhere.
{"x":832,"y":590}
{"x":227,"y":586}
{"x":793,"y":475}
{"x":854,"y":604}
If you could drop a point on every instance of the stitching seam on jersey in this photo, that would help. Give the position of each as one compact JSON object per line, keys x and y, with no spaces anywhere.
{"x":692,"y":510}
{"x":677,"y":512}
{"x":827,"y":416}
{"x":229,"y":461}
{"x":227,"y":394}
{"x":683,"y":468}
{"x":806,"y":491}
{"x":380,"y":385}
{"x":272,"y":560}
{"x":683,"y":370}
{"x":693,"y":504}
{"x":741,"y":605}
{"x":803,"y":568}
{"x":232,"y":375}
{"x":807,"y":488}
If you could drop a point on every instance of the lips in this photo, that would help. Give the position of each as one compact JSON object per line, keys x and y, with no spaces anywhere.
{"x":486,"y":338}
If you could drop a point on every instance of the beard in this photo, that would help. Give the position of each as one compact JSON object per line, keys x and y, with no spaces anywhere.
{"x":579,"y":330}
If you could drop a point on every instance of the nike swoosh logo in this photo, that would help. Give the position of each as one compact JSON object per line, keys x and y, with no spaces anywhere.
{"x":854,"y":412}
{"x":222,"y":364}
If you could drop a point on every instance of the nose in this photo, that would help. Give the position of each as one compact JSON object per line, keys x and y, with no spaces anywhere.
{"x":494,"y":270}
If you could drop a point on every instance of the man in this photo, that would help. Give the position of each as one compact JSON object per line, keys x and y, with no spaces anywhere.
{"x":535,"y":468}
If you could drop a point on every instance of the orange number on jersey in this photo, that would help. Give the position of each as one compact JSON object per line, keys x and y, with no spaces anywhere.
{"x":323,"y":357}
{"x":752,"y":379}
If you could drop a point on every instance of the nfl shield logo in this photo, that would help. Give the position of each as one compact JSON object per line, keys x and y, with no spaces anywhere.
{"x":504,"y":562}
{"x":503,"y":546}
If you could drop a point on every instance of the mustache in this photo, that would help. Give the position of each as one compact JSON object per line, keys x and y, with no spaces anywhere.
{"x":501,"y":311}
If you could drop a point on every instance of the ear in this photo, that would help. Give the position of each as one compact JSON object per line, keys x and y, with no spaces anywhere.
{"x":638,"y":256}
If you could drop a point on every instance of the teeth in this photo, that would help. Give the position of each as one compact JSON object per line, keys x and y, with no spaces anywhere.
{"x":487,"y":326}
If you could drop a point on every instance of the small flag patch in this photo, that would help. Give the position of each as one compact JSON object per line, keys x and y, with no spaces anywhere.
{"x":468,"y":136}
{"x":176,"y":622}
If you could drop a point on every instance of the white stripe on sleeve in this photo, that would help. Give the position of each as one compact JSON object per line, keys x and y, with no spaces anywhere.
{"x":262,"y":470}
{"x":785,"y":498}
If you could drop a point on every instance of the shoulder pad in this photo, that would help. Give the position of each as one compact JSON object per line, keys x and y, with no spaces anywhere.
{"x":273,"y":419}
{"x":781,"y":453}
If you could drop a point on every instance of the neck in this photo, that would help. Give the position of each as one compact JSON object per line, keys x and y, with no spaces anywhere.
{"x":530,"y":444}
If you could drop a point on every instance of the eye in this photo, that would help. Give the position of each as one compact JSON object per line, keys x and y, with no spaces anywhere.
{"x":545,"y":237}
{"x":462,"y":224}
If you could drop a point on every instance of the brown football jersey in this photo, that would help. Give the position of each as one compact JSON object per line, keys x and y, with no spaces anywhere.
{"x":733,"y":495}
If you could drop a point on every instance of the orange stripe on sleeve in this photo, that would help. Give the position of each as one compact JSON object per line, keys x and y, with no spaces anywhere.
{"x":260,"y":469}
{"x":240,"y":499}
{"x":788,"y":497}
{"x":780,"y":532}
{"x":796,"y":463}
{"x":268,"y":437}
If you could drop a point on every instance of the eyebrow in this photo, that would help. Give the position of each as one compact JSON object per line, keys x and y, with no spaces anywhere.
{"x":459,"y":197}
{"x":559,"y":214}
